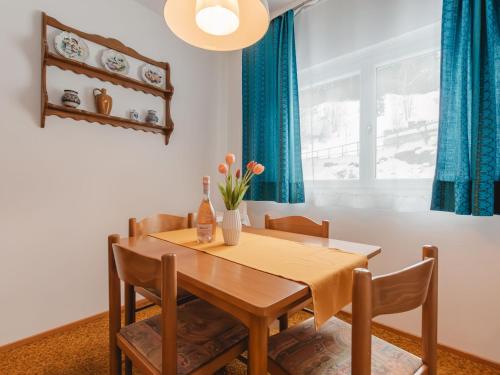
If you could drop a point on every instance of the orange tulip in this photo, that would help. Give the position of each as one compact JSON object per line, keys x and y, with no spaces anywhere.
{"x":222,"y":168}
{"x":238,"y":173}
{"x":258,"y":169}
{"x":230,"y":159}
{"x":251,"y":165}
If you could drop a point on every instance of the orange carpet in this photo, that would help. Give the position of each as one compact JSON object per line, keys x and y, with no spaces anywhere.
{"x":84,"y":351}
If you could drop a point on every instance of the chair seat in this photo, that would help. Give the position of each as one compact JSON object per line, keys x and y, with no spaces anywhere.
{"x":303,"y":350}
{"x":203,"y":333}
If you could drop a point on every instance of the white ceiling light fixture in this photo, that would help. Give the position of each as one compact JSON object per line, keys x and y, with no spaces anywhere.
{"x":218,"y":25}
{"x":218,"y":17}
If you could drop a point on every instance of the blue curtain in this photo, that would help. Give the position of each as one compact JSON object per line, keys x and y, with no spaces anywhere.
{"x":271,"y":126}
{"x":468,"y":161}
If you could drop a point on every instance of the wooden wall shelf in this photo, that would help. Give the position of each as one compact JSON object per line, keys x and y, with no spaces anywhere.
{"x":90,"y":71}
{"x":79,"y":115}
{"x":51,"y":59}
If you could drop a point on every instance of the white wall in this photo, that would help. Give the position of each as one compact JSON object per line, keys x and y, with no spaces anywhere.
{"x":64,"y":188}
{"x":469,"y":306}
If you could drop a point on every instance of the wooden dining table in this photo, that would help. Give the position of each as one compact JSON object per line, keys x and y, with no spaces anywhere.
{"x":256,"y":298}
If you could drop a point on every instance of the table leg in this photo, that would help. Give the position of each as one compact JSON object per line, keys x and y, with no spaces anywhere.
{"x":257,"y":346}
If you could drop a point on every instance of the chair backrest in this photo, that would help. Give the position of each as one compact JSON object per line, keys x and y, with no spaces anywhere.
{"x":137,"y":270}
{"x":141,"y":271}
{"x":298,"y":224}
{"x":397,"y":292}
{"x":158,"y":223}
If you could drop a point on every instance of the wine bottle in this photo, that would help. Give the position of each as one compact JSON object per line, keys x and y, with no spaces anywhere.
{"x":207,"y":222}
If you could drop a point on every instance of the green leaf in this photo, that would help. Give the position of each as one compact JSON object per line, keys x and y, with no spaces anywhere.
{"x":223,"y":193}
{"x":241,"y":195}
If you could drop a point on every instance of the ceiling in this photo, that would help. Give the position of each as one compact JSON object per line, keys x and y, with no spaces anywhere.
{"x":279,"y":5}
{"x":275,"y":6}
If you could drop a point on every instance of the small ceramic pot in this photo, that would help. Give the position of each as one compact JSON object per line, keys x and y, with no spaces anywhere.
{"x":231,"y":227}
{"x":134,"y":115}
{"x":152,"y":117}
{"x":103,"y":101}
{"x":70,"y":98}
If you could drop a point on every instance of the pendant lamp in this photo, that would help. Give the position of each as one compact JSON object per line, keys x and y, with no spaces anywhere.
{"x":218,"y":25}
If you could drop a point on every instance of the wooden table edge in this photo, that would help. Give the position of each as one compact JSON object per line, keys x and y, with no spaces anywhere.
{"x":201,"y":289}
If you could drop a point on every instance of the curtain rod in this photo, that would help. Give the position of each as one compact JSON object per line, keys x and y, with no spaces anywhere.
{"x":297,"y":6}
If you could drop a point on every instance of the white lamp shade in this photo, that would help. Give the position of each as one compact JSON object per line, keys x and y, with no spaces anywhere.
{"x":242,"y":22}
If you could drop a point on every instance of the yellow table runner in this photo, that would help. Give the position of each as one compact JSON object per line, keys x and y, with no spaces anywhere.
{"x":328,"y":272}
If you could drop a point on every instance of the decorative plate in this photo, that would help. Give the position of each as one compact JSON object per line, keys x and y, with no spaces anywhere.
{"x":71,"y":46}
{"x":153,"y":75}
{"x":114,"y":61}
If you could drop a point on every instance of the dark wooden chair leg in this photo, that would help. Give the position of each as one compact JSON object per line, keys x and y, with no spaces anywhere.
{"x":130,"y":310}
{"x":283,"y":319}
{"x":128,"y":366}
{"x":115,"y":354}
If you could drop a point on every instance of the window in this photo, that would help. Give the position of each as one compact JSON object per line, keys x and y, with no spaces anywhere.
{"x":330,"y":130}
{"x":372,"y":115}
{"x":369,"y":121}
{"x":407,"y":97}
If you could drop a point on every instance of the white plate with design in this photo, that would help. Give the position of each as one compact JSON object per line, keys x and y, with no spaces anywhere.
{"x":71,"y":46}
{"x":114,"y":61}
{"x":153,"y":75}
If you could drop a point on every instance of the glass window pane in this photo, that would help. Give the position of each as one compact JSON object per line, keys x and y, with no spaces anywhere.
{"x":407,"y":117}
{"x":330,"y":130}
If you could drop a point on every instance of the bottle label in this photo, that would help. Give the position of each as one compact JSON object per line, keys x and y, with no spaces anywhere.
{"x":204,"y":232}
{"x":205,"y":228}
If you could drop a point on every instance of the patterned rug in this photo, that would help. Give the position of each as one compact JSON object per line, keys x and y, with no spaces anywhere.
{"x":84,"y":351}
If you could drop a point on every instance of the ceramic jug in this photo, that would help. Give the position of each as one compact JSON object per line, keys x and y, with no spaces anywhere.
{"x":103,"y":101}
{"x":70,"y":98}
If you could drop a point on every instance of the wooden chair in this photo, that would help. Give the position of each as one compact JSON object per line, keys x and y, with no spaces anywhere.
{"x":154,"y":224}
{"x":300,"y":225}
{"x":158,"y":223}
{"x":194,"y":338}
{"x":331,"y":350}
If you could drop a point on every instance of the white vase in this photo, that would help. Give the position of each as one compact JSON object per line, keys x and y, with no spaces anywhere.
{"x":231,"y":227}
